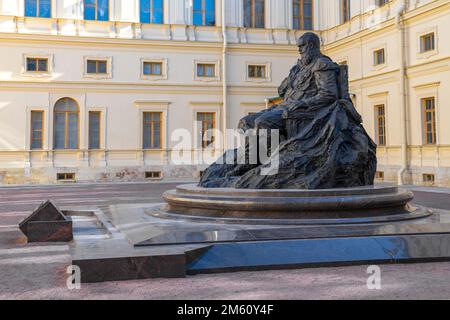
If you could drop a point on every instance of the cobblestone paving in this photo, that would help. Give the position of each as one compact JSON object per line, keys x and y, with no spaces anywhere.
{"x":38,"y":271}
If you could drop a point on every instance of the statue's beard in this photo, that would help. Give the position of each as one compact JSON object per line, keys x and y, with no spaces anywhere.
{"x":309,"y":56}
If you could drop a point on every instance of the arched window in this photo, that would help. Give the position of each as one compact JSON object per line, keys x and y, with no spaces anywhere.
{"x":66,"y":124}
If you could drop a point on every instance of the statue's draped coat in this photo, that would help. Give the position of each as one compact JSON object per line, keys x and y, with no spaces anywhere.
{"x":324,"y":144}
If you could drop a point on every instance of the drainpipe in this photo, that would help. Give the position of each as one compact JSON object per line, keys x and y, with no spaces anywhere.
{"x":224,"y":75}
{"x":403,"y":94}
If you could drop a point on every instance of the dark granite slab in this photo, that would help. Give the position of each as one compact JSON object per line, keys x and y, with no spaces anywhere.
{"x":131,"y":268}
{"x":180,"y":236}
{"x":141,"y":246}
{"x":106,"y":254}
{"x":47,"y":224}
{"x":49,"y":231}
{"x":321,"y":252}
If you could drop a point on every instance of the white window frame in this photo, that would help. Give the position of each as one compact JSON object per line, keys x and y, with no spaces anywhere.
{"x":111,"y":10}
{"x":103,"y":124}
{"x":427,"y":54}
{"x":376,"y":67}
{"x":208,"y":107}
{"x":267,"y":78}
{"x":45,"y":129}
{"x":207,"y":79}
{"x":164,"y":70}
{"x":109,"y":66}
{"x":153,"y":106}
{"x":423,"y":91}
{"x":50,"y":64}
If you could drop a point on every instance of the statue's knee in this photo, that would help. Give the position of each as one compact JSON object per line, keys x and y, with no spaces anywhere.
{"x":246,"y":123}
{"x":262,"y":124}
{"x":243,"y":125}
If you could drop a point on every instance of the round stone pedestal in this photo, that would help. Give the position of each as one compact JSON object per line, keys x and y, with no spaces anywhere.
{"x":379,"y":203}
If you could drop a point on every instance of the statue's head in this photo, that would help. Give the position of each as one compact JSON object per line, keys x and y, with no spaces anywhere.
{"x":309,"y":46}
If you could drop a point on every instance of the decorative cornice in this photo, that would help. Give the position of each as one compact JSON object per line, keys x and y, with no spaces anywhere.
{"x":427,"y":85}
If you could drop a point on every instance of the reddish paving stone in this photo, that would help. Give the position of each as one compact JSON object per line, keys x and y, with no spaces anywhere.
{"x":38,"y":271}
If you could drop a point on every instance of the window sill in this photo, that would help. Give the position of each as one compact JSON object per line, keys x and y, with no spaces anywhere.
{"x":255,"y":28}
{"x":427,"y":54}
{"x":153,"y":78}
{"x":258,"y":80}
{"x":379,"y":67}
{"x":66,"y":150}
{"x":207,"y":79}
{"x":32,"y":74}
{"x":98,"y":76}
{"x":204,"y":26}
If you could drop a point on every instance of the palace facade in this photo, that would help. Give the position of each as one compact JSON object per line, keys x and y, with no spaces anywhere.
{"x":98,"y":90}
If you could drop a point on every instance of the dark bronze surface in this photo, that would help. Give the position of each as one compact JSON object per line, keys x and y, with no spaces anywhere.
{"x":323,"y":143}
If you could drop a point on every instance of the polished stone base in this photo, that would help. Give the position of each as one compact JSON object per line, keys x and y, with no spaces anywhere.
{"x":145,"y":241}
{"x":364,"y":204}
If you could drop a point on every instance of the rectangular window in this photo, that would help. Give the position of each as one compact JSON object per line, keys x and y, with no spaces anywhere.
{"x":379,"y":57}
{"x":152,"y":126}
{"x":37,"y":132}
{"x":38,"y":8}
{"x":152,"y":11}
{"x":427,"y":42}
{"x":152,"y":68}
{"x":254,"y":12}
{"x":206,"y":122}
{"x":96,"y":10}
{"x":345,"y":6}
{"x":94,"y":129}
{"x":153,"y":175}
{"x":37,"y":65}
{"x":381,"y":124}
{"x":303,"y":14}
{"x":257,"y":71}
{"x":204,"y":13}
{"x":429,"y":120}
{"x":428,"y":178}
{"x":379,"y":175}
{"x":97,"y":67}
{"x":206,"y":70}
{"x":66,"y":176}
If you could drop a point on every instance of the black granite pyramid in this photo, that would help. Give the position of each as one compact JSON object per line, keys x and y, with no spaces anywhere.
{"x":47,"y":224}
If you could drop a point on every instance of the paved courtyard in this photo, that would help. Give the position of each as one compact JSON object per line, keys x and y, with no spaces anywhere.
{"x":38,"y":271}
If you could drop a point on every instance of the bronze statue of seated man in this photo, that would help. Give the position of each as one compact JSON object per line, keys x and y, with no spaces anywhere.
{"x":323,"y":144}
